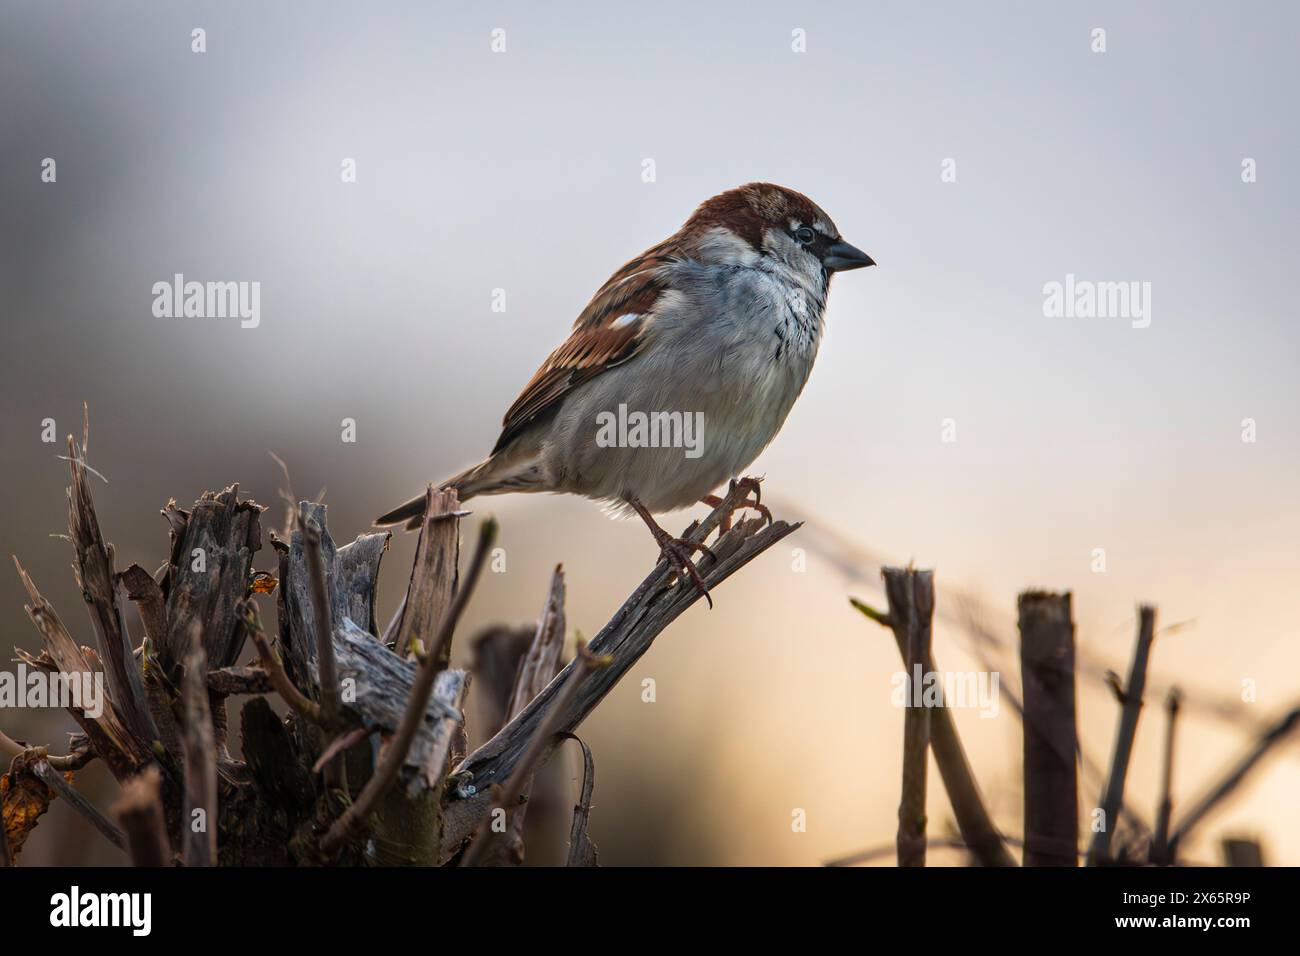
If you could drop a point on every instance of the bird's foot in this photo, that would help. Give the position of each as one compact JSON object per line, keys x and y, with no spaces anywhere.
{"x":677,"y":551}
{"x":750,"y":486}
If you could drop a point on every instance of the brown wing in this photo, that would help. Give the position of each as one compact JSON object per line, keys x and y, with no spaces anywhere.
{"x":610,"y":330}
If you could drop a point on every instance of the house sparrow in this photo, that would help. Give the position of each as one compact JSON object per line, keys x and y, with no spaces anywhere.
{"x":717,"y":325}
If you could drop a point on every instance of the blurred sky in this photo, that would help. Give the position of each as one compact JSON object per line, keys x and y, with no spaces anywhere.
{"x":522,"y":171}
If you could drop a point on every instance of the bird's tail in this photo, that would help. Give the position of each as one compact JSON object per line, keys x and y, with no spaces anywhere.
{"x":470,"y":482}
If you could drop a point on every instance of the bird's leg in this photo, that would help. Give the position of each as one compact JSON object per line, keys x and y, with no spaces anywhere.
{"x":677,"y":551}
{"x":749,"y":485}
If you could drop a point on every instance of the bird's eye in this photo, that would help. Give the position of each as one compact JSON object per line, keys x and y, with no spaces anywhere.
{"x":805,"y":235}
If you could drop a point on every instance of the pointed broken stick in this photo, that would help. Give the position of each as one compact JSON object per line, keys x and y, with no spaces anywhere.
{"x":1159,"y":852}
{"x":139,"y":809}
{"x":1051,"y":818}
{"x":59,"y":784}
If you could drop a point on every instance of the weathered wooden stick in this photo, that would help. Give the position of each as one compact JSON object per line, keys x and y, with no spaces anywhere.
{"x":1160,"y":839}
{"x":1240,"y":852}
{"x":56,"y":782}
{"x":199,"y":825}
{"x":977,"y":828}
{"x":1113,"y":795}
{"x":140,"y":811}
{"x":1233,"y":778}
{"x":1051,"y":820}
{"x":911,"y":608}
{"x":121,"y":749}
{"x":433,"y":574}
{"x":93,"y":567}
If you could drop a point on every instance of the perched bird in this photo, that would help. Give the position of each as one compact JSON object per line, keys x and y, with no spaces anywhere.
{"x":679,"y":371}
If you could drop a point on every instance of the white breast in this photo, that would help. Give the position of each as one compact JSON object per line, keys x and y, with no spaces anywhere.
{"x":733,"y":351}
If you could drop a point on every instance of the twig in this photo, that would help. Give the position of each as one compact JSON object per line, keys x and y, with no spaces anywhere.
{"x":1113,"y":795}
{"x":342,"y":742}
{"x":56,"y":782}
{"x":11,"y":748}
{"x":199,"y":826}
{"x":1233,"y":778}
{"x":139,"y":809}
{"x":394,"y":755}
{"x":582,"y":852}
{"x":911,"y":606}
{"x":271,"y":663}
{"x":1160,"y":841}
{"x":538,"y":747}
{"x":1051,"y":821}
{"x":389,"y":637}
{"x":973,"y":820}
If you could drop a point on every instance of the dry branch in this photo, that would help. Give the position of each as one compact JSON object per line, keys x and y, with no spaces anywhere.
{"x":1233,"y":778}
{"x":111,"y":739}
{"x":93,"y":567}
{"x":433,"y":574}
{"x":60,"y":785}
{"x":1113,"y":795}
{"x":977,"y":828}
{"x":199,"y":825}
{"x":911,"y":607}
{"x":271,"y":664}
{"x":1165,"y":809}
{"x":582,"y":852}
{"x":1051,"y":823}
{"x":140,"y":811}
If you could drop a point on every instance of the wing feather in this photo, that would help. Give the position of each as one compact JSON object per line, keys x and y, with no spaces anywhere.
{"x":610,"y":330}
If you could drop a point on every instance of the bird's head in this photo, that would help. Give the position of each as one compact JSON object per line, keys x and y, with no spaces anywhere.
{"x":756,"y":220}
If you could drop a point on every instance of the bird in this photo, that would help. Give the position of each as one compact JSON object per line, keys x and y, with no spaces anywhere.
{"x":678,"y":373}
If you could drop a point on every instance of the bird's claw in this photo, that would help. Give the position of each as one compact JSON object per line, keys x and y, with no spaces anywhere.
{"x":749,"y":486}
{"x":677,"y":552}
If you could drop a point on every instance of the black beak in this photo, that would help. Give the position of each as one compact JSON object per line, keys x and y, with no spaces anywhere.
{"x":842,"y":256}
